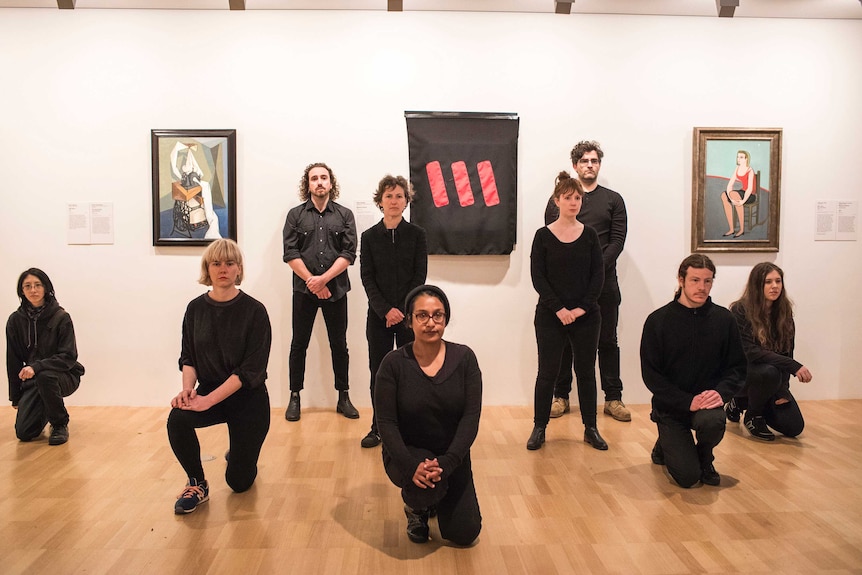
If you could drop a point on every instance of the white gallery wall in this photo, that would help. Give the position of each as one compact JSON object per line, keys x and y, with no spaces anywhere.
{"x":81,"y":90}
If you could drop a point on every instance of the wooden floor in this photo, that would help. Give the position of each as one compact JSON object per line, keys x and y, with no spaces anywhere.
{"x":103,"y":503}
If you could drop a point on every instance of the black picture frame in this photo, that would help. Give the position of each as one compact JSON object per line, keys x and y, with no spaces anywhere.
{"x":194,"y":186}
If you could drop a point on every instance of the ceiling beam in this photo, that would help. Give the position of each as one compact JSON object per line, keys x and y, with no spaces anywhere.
{"x":726,"y":8}
{"x":237,"y":4}
{"x":66,"y":4}
{"x":395,"y":5}
{"x":565,"y":6}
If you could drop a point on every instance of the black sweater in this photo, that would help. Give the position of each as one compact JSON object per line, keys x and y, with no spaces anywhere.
{"x":221,"y":339}
{"x":685,"y":351}
{"x":605,"y":211}
{"x":440,"y":413}
{"x":391,"y":263}
{"x":567,"y":275}
{"x":783,"y":361}
{"x":46,"y":344}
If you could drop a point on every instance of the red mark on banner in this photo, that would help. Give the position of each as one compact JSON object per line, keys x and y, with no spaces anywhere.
{"x":462,"y":184}
{"x":489,"y":184}
{"x":438,"y":185}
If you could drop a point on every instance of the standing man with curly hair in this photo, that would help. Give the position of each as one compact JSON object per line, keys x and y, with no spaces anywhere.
{"x":605,"y":211}
{"x":319,"y":244}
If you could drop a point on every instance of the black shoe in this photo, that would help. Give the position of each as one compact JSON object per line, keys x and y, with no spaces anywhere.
{"x":292,"y":411}
{"x":371,"y":440}
{"x":657,"y":454}
{"x":537,"y":438}
{"x":591,"y":436}
{"x":227,"y":455}
{"x":709,"y":476}
{"x":757,"y":427}
{"x":417,"y":525}
{"x":59,"y":435}
{"x":344,"y":407}
{"x":732,"y":410}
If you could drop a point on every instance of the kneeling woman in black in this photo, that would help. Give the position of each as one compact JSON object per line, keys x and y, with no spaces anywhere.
{"x":567,"y":271}
{"x":225,"y":351}
{"x":428,"y":399}
{"x":765,"y":317}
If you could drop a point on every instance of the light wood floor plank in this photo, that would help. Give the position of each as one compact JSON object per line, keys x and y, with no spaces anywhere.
{"x":102,"y":504}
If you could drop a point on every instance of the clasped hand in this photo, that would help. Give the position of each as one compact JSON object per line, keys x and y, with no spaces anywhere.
{"x":427,"y":473}
{"x":709,"y":399}
{"x":317,"y":286}
{"x":189,"y":400}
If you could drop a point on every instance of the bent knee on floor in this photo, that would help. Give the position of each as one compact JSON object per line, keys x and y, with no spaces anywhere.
{"x":463,"y":535}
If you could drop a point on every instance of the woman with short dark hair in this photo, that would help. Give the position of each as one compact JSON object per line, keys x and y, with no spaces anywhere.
{"x":41,"y":360}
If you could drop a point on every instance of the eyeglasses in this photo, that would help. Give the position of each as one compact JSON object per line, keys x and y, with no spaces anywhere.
{"x":588,"y":161}
{"x":28,"y":286}
{"x":423,"y":316}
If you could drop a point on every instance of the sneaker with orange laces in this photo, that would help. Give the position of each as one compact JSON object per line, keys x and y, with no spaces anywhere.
{"x":195,"y":493}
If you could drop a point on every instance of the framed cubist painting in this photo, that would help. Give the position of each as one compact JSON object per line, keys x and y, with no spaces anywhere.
{"x":736,"y":195}
{"x":194,"y":186}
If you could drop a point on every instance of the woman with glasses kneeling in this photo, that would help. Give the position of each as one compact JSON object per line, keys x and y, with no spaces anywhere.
{"x":567,"y":270}
{"x":225,"y":351}
{"x":428,"y":399}
{"x":764,"y":314}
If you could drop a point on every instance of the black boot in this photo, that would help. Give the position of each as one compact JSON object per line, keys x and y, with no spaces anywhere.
{"x":591,"y":436}
{"x":292,"y":412}
{"x":344,"y":407}
{"x":417,"y":524}
{"x":537,"y":438}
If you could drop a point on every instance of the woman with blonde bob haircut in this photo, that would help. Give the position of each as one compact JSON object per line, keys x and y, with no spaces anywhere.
{"x":225,"y":350}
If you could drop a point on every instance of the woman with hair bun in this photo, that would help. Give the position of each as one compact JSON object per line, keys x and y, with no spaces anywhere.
{"x":567,"y":270}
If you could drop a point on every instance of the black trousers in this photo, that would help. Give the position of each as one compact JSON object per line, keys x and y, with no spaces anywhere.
{"x":458,"y":513}
{"x":335,"y":315}
{"x":382,"y":340}
{"x":42,"y":402}
{"x":609,"y":353}
{"x":764,"y":385}
{"x":551,"y":338}
{"x":684,"y":455}
{"x":247,"y":418}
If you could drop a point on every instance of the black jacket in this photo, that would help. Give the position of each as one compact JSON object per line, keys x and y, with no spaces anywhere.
{"x":46,"y":344}
{"x":391,"y":263}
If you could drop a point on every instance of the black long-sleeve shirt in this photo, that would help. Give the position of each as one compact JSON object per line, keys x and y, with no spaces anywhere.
{"x":685,"y":351}
{"x":567,"y":275}
{"x":221,"y":339}
{"x":783,"y":361}
{"x":391,"y":263}
{"x":440,"y":413}
{"x":320,"y":238}
{"x":604,"y":210}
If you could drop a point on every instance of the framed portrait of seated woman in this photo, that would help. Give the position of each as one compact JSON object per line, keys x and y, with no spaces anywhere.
{"x":736,"y":189}
{"x":194,"y":186}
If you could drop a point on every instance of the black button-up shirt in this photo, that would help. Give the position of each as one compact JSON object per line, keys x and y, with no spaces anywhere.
{"x":320,"y":238}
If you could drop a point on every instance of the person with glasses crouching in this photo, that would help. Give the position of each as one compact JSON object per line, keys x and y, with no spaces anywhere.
{"x":41,"y":360}
{"x":428,"y":399}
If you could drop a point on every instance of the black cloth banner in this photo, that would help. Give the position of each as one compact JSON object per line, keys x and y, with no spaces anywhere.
{"x":464,"y":172}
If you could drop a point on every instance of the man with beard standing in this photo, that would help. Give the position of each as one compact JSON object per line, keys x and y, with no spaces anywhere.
{"x":319,"y":244}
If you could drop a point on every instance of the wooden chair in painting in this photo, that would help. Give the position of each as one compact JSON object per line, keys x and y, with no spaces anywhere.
{"x":188,"y":213}
{"x":752,"y":210}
